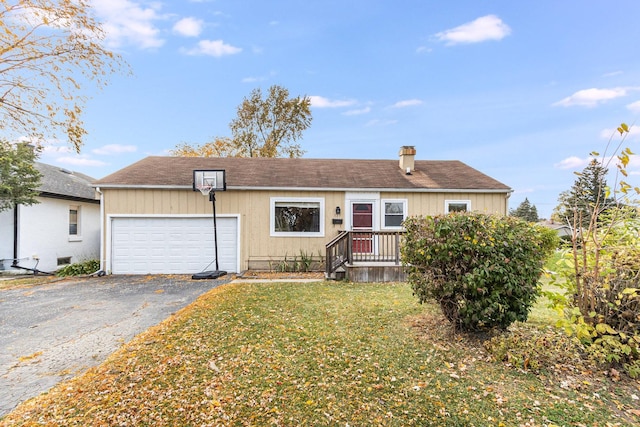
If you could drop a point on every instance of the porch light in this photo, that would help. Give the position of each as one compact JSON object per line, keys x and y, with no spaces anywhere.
{"x":208,"y":182}
{"x":338,"y":210}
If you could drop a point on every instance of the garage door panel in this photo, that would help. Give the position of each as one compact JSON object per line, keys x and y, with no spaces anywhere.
{"x":172,"y":245}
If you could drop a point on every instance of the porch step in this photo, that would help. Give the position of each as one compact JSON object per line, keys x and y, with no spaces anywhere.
{"x":375,"y":272}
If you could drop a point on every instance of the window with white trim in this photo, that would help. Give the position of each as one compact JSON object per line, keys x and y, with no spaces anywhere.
{"x":393,"y":213}
{"x":297,"y":217}
{"x":457,"y":206}
{"x":74,"y":221}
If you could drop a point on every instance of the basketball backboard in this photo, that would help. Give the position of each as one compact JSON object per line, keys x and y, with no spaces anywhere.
{"x":207,"y":181}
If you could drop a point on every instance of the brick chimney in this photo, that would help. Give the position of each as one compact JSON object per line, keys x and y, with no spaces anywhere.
{"x":407,"y":158}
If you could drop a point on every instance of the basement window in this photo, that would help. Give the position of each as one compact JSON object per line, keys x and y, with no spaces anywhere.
{"x":297,"y":217}
{"x":64,"y":260}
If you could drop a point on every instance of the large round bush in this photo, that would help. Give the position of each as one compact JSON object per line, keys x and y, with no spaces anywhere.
{"x":482,"y":269}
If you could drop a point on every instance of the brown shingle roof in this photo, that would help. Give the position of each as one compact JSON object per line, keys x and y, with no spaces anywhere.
{"x":304,"y":173}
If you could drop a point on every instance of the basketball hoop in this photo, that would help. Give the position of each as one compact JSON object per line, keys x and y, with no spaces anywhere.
{"x":208,"y":182}
{"x":205,"y":189}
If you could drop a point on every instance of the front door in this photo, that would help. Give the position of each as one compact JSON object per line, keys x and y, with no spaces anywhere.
{"x":362,"y":225}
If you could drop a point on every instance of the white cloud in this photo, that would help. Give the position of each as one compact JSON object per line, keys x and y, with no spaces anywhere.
{"x":573,"y":162}
{"x":216,"y":48}
{"x":53,"y":146}
{"x":424,"y":49}
{"x":524,"y":191}
{"x":322,"y":102}
{"x":615,"y":136}
{"x":609,"y":162}
{"x":485,"y":28}
{"x":364,"y":110}
{"x":188,"y":27}
{"x":112,"y":149}
{"x":377,"y":122}
{"x":407,"y":103}
{"x":592,"y":97}
{"x":634,"y":131}
{"x":127,"y":22}
{"x":255,"y":79}
{"x":634,"y":107}
{"x":80,"y":161}
{"x":612,"y":74}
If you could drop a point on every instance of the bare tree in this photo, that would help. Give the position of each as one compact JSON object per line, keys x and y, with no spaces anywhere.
{"x":49,"y":49}
{"x":271,"y":127}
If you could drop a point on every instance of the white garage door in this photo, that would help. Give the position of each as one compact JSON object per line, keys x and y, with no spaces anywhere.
{"x":172,"y":245}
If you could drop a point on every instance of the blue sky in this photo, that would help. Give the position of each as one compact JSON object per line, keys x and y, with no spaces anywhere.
{"x":521,"y":90}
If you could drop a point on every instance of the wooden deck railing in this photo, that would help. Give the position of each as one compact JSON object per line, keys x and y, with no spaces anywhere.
{"x":363,"y":246}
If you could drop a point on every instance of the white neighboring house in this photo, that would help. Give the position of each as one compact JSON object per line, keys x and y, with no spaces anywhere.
{"x":64,"y":228}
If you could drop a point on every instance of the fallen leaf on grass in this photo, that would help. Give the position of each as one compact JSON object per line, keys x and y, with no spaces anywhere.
{"x":30,"y":357}
{"x":213,"y":366}
{"x":635,"y":412}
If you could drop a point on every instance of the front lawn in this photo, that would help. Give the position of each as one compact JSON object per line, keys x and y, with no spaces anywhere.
{"x":320,"y":354}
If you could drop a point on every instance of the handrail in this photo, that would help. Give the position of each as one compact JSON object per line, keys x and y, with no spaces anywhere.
{"x":337,"y":252}
{"x":363,"y":246}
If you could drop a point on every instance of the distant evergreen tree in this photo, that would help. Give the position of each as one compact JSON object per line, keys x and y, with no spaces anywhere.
{"x":588,"y":191}
{"x":526,"y":211}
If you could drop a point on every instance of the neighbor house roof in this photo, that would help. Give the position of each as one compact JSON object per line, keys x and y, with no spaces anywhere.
{"x":63,"y":183}
{"x":303,"y":173}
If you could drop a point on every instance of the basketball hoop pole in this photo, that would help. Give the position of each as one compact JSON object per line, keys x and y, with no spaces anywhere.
{"x":212,"y":197}
{"x":207,"y":182}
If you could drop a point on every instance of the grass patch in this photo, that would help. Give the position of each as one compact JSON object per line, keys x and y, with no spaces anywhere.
{"x":26,"y":281}
{"x":318,"y":354}
{"x":541,"y":313}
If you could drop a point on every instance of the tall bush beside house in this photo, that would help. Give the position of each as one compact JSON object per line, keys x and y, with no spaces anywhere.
{"x":602,"y":279}
{"x":600,"y":272}
{"x":482,"y":269}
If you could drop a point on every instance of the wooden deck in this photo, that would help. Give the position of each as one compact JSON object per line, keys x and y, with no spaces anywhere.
{"x":371,"y":256}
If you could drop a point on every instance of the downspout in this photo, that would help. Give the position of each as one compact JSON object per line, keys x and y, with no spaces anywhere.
{"x":102,"y":260}
{"x":14,"y":263}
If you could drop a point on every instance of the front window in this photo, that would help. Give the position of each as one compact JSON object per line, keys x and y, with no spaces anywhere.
{"x":457,"y":206}
{"x":395,"y":211}
{"x":297,"y":217}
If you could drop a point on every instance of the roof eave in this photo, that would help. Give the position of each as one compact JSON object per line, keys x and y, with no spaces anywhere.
{"x":67,"y":197}
{"x":334,"y":189}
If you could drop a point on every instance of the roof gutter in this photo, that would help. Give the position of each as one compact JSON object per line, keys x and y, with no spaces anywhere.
{"x":337,"y":189}
{"x":67,"y":197}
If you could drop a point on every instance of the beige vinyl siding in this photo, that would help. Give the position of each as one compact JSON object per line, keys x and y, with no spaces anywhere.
{"x":433,"y":203}
{"x":257,"y":246}
{"x":253,"y":207}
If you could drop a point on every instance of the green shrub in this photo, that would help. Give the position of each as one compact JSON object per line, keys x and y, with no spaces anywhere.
{"x":602,"y":280}
{"x":80,"y":268}
{"x":482,"y":269}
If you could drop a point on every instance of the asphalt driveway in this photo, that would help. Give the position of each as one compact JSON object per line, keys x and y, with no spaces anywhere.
{"x":52,"y":332}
